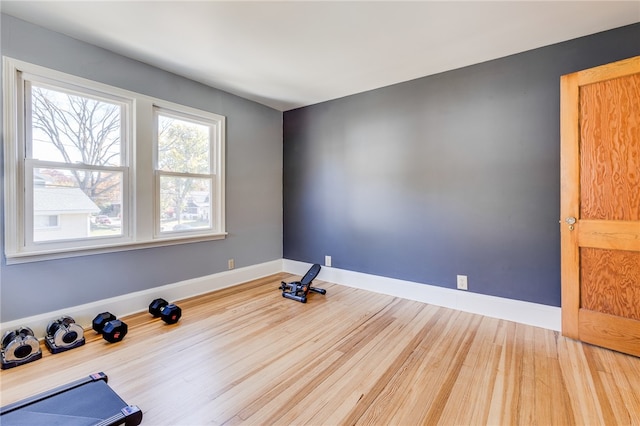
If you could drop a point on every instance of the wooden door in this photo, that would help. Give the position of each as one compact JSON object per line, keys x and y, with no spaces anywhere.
{"x":600,"y":205}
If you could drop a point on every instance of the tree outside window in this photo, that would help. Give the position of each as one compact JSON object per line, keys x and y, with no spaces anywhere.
{"x":184,"y":167}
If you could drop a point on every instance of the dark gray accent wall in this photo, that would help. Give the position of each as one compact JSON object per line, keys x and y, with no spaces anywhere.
{"x":253,"y":186}
{"x":455,"y":173}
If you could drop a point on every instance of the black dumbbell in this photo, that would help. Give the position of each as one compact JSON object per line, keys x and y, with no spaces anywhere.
{"x":169,"y":312}
{"x":156,"y":306}
{"x":112,"y":329}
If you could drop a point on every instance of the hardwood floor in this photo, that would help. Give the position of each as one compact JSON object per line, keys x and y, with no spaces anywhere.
{"x":246,"y":355}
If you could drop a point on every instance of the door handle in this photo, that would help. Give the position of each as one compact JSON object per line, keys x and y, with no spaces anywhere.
{"x":570,"y":221}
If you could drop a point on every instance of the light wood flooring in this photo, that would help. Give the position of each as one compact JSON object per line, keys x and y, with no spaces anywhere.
{"x":246,"y":355}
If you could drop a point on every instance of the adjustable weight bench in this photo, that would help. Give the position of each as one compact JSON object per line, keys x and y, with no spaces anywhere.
{"x":85,"y":402}
{"x":298,"y":290}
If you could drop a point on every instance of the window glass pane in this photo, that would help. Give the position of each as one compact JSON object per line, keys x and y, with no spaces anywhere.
{"x":74,"y":129}
{"x":183,"y":146}
{"x":87,"y":203}
{"x":185,"y":203}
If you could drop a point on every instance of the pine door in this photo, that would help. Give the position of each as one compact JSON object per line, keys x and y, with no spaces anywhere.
{"x":600,"y":205}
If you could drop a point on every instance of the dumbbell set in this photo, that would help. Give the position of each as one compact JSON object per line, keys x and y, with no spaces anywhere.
{"x":20,"y":346}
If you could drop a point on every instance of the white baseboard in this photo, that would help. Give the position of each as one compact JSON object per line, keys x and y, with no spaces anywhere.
{"x":132,"y":303}
{"x":534,"y":314}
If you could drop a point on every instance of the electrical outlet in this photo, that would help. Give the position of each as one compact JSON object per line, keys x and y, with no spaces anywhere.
{"x":232,"y":263}
{"x":462,"y":282}
{"x":327,"y":261}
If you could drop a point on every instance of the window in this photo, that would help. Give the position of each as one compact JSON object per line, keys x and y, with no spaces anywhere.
{"x":186,"y":147}
{"x":75,"y":145}
{"x":45,"y":221}
{"x":91,"y":168}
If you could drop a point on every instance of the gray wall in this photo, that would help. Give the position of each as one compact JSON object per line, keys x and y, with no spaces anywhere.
{"x":253,"y":186}
{"x":456,"y":173}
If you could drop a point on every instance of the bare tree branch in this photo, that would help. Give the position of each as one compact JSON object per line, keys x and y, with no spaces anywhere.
{"x":82,"y":130}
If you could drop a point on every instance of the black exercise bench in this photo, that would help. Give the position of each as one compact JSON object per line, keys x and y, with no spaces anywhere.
{"x":298,"y":290}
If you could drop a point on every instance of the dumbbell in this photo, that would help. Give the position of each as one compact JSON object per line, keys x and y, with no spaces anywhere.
{"x":169,"y":312}
{"x":63,"y":334}
{"x":112,"y":329}
{"x":19,"y":347}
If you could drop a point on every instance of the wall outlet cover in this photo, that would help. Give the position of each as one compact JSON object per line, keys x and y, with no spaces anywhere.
{"x":462,"y":282}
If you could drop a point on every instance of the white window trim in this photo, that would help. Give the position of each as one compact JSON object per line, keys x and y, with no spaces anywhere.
{"x":141,"y":182}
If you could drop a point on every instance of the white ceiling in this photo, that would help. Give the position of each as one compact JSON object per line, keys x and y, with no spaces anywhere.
{"x":290,"y":54}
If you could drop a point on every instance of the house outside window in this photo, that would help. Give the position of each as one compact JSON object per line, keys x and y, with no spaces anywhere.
{"x":61,"y":214}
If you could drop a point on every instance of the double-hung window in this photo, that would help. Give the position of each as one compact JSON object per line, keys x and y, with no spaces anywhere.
{"x":187,"y":151}
{"x":73,"y":149}
{"x":90,"y":168}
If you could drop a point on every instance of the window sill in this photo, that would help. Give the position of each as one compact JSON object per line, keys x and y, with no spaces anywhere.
{"x":19,"y":258}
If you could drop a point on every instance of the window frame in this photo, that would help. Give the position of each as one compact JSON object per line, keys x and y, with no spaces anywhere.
{"x":126,"y":103}
{"x":215,"y":123}
{"x":139,"y":187}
